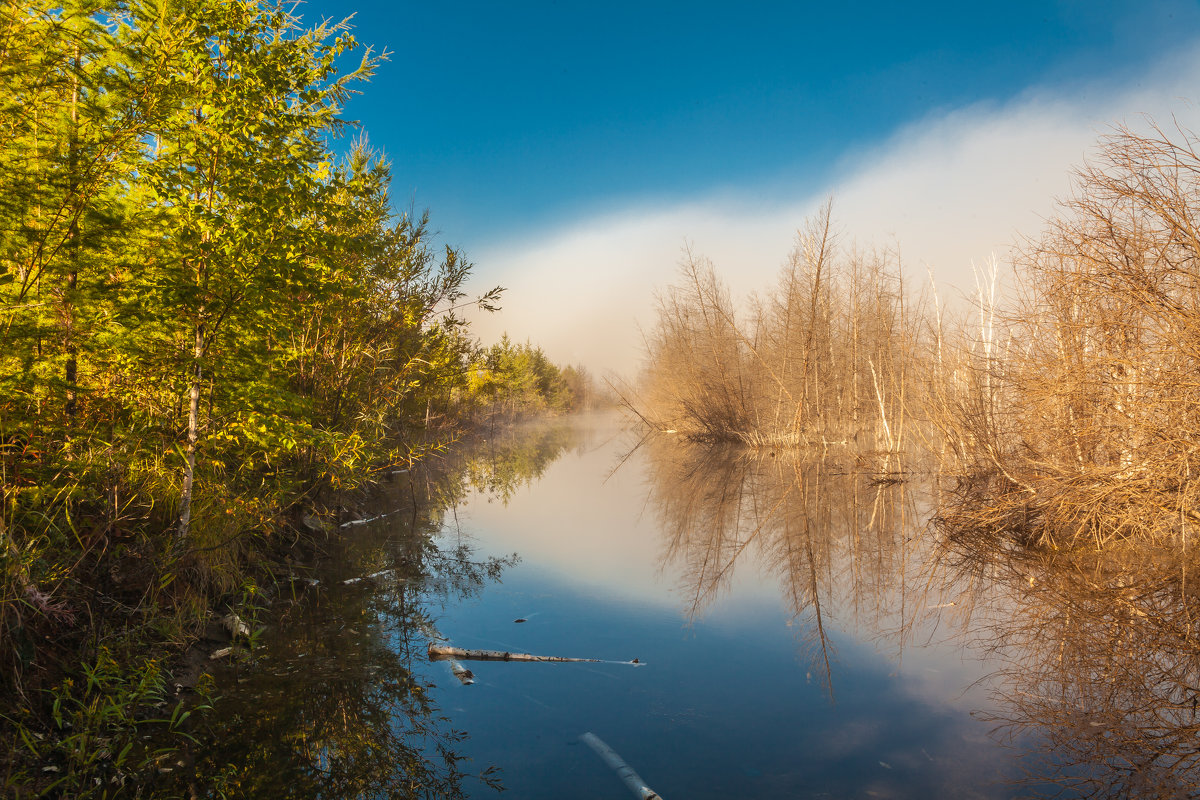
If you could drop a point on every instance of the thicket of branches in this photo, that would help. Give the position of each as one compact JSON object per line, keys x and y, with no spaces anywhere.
{"x":825,"y":356}
{"x":1066,"y":417}
{"x":1083,"y":429}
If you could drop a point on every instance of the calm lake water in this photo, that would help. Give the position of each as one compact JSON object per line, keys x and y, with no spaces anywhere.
{"x":798,"y":635}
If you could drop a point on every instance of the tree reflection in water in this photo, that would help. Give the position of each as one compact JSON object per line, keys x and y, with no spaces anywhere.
{"x":1101,"y":669}
{"x":332,"y":705}
{"x":1099,"y":682}
{"x":834,"y":537}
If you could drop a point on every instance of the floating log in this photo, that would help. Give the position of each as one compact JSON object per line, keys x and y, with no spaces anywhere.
{"x":623,"y":770}
{"x":441,"y":652}
{"x":464,"y":675}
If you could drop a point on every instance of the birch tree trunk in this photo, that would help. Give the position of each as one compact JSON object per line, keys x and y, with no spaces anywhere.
{"x":193,"y":436}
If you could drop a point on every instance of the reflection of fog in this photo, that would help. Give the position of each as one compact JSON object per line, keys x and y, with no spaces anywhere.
{"x":839,"y":543}
{"x":1099,"y":676}
{"x":1102,"y":668}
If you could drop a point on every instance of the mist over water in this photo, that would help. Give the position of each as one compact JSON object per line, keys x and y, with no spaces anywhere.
{"x":799,"y":629}
{"x":947,"y":192}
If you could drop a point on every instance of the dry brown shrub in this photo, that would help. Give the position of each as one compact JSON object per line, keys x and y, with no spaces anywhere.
{"x":1084,"y":429}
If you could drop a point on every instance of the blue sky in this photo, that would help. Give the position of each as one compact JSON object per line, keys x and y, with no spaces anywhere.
{"x":518,"y":124}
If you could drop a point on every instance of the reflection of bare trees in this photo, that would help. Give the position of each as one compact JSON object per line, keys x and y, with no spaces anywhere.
{"x":1100,"y":666}
{"x":832,"y":536}
{"x":1101,"y":670}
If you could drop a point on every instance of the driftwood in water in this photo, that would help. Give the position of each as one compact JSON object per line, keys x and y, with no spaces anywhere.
{"x":623,"y":770}
{"x":383,"y":573}
{"x":438,"y":652}
{"x":355,"y":522}
{"x":464,"y":675}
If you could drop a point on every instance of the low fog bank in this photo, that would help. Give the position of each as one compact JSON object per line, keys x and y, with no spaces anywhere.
{"x":947,"y":191}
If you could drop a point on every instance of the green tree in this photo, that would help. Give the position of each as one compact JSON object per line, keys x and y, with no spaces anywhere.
{"x":238,"y":182}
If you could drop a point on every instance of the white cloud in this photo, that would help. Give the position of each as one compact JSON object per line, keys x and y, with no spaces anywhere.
{"x":947,"y":190}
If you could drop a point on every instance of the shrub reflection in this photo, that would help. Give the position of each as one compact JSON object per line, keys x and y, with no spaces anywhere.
{"x":832,"y":534}
{"x":1101,"y":669}
{"x":333,"y":704}
{"x":1099,"y":682}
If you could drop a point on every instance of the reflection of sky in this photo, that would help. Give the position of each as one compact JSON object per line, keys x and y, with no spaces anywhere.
{"x":729,"y":705}
{"x":718,"y":710}
{"x":576,"y":523}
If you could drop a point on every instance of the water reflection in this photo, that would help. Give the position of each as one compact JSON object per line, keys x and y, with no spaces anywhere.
{"x":1098,"y":678}
{"x":518,"y":456}
{"x":336,"y":702}
{"x":838,"y":541}
{"x":1096,"y":672}
{"x":1102,"y":672}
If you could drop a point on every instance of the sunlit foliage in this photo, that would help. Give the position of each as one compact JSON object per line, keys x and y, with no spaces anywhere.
{"x":510,"y":378}
{"x":1077,"y":424}
{"x":206,"y":316}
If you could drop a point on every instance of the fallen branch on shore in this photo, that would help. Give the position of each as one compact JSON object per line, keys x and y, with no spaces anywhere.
{"x":441,"y":652}
{"x":623,"y":770}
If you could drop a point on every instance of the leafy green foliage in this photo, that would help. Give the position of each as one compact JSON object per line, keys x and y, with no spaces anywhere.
{"x":96,"y":748}
{"x":206,"y":317}
{"x":520,"y":378}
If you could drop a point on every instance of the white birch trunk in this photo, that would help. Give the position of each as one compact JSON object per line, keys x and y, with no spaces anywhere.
{"x":623,"y":770}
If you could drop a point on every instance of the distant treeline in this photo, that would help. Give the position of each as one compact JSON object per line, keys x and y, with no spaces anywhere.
{"x":207,"y":318}
{"x":1065,"y":415}
{"x":512,"y":379}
